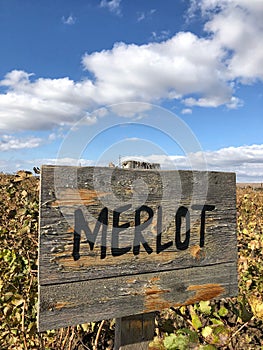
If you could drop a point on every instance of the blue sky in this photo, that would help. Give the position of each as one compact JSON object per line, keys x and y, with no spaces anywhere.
{"x":125,"y":76}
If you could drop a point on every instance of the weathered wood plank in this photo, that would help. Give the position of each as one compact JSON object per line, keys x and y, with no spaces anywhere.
{"x":117,"y":242}
{"x":73,"y":303}
{"x":58,"y":205}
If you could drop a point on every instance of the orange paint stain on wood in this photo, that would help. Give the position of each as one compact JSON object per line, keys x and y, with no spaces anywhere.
{"x":152,"y":291}
{"x":204,"y":292}
{"x":155,"y":302}
{"x":154,"y":279}
{"x":62,"y":305}
{"x":92,"y":258}
{"x":153,"y":296}
{"x":197,"y":253}
{"x":72,"y":196}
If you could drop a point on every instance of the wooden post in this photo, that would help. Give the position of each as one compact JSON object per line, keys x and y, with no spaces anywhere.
{"x":134,"y":332}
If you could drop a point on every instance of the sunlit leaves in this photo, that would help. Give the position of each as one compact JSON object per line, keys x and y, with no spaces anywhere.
{"x":256,"y":306}
{"x":196,"y":322}
{"x":228,"y":324}
{"x":205,"y":307}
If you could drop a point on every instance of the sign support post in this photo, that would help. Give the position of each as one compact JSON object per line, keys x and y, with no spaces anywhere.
{"x":134,"y":332}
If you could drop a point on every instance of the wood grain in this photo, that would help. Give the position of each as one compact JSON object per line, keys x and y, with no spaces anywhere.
{"x":73,"y":303}
{"x":104,"y":284}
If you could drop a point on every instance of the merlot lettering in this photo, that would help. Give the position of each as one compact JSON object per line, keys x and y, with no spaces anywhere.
{"x":182,"y":225}
{"x":116,"y":229}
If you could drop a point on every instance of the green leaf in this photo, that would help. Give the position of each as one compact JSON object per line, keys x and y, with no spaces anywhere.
{"x":93,"y":325}
{"x":85,"y":326}
{"x":17,"y":302}
{"x":195,"y":319}
{"x":207,"y":331}
{"x":256,"y":306}
{"x":216,"y":321}
{"x":193,"y":336}
{"x":204,"y":307}
{"x":8,"y":295}
{"x":176,"y":342}
{"x":223,"y":311}
{"x":183,"y":309}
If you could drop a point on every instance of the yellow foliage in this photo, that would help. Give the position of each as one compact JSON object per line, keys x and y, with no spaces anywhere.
{"x":256,"y":306}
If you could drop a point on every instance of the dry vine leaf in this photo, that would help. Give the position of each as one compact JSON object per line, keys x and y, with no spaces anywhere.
{"x":256,"y":306}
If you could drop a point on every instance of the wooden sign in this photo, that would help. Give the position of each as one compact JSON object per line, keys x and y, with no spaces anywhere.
{"x":116,"y":242}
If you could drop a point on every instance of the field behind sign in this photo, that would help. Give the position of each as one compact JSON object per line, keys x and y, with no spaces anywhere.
{"x":239,"y":320}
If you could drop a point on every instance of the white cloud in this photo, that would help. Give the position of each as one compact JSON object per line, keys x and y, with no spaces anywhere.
{"x":112,"y":5}
{"x":9,"y":143}
{"x":187,"y":111}
{"x":145,"y":15}
{"x":16,"y":78}
{"x":245,"y":161}
{"x":163,"y":35}
{"x":140,"y":16}
{"x":7,"y":166}
{"x":237,"y":26}
{"x":235,"y":103}
{"x":197,"y":71}
{"x":181,"y":65}
{"x":43,"y":103}
{"x":70,"y":20}
{"x":155,"y":71}
{"x":64,"y":161}
{"x":130,"y":109}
